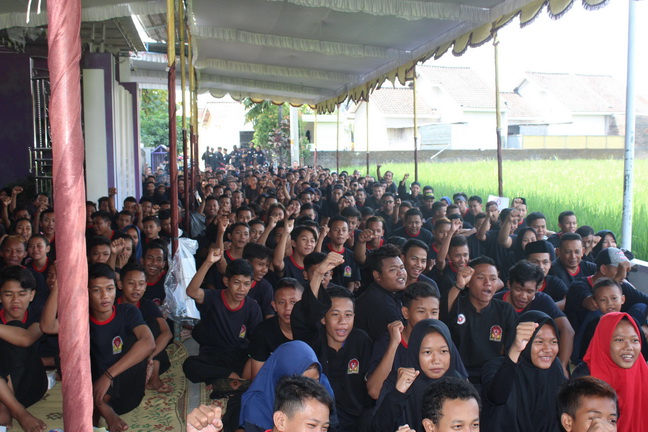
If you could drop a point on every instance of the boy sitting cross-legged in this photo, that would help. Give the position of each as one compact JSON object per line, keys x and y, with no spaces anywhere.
{"x":228,"y":317}
{"x":120,"y":346}
{"x":132,"y":285}
{"x":23,"y":381}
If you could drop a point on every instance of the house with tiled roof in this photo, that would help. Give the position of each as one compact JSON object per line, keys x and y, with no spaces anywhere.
{"x":456,"y":110}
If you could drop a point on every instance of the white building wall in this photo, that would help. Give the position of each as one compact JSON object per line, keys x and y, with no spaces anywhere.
{"x":477,"y":133}
{"x":581,"y":125}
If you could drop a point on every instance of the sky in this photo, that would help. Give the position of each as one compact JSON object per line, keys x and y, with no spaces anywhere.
{"x":582,"y":41}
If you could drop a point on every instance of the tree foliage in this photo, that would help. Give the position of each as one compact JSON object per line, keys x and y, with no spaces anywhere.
{"x":271,"y":125}
{"x":154,"y":119}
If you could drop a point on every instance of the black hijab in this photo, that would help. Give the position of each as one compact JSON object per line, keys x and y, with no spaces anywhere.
{"x":412,"y":414}
{"x":531,"y":404}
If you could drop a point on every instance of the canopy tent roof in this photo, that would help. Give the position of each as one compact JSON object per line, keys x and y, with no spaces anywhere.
{"x":318,"y":52}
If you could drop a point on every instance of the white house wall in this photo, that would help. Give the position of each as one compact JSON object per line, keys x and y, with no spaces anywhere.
{"x":581,"y":125}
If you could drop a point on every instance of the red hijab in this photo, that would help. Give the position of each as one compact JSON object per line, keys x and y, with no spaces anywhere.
{"x":630,"y":384}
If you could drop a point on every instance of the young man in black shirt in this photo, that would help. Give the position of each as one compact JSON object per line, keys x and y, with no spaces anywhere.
{"x":413,"y":227}
{"x":20,"y":337}
{"x":120,"y":345}
{"x":132,"y":284}
{"x":343,"y":351}
{"x":228,"y":317}
{"x":478,"y":323}
{"x":381,"y":304}
{"x":542,"y":254}
{"x":276,"y":330}
{"x":570,"y":265}
{"x":567,"y":223}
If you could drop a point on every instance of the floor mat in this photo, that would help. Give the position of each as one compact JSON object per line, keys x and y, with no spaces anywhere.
{"x":157,"y":412}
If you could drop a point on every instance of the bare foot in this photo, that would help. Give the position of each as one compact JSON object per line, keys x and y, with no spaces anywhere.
{"x":114,"y":423}
{"x":156,"y":384}
{"x":29,"y":423}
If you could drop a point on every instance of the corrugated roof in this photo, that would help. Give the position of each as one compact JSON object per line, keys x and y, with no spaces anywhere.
{"x":399,"y":101}
{"x":462,"y":84}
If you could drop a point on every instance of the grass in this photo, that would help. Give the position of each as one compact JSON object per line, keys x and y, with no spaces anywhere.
{"x":593,"y":189}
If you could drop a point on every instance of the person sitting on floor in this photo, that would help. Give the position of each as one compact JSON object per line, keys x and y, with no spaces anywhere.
{"x":120,"y":346}
{"x":23,"y":380}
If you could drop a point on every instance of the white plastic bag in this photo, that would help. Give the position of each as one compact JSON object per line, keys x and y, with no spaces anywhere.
{"x":178,"y":305}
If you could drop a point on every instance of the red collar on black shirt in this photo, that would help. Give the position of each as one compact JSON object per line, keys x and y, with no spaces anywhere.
{"x":590,"y":280}
{"x":330,"y":247}
{"x":4,"y":319}
{"x":506,"y":296}
{"x":228,"y":306}
{"x":296,"y":265}
{"x":112,"y":316}
{"x":382,"y":240}
{"x":40,"y":270}
{"x":158,"y":280}
{"x":574,"y":274}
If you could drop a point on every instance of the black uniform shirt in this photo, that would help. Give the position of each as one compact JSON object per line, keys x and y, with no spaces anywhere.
{"x":226,"y":328}
{"x":266,"y":338}
{"x":479,"y":336}
{"x":110,"y":339}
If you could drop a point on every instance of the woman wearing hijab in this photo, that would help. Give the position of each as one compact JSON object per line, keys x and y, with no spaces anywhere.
{"x":524,"y":236}
{"x":607,"y":239}
{"x":291,"y":358}
{"x":136,"y":235}
{"x":614,"y":355}
{"x":431,"y":355}
{"x":520,"y":389}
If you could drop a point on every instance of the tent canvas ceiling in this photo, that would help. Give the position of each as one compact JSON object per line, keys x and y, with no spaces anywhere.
{"x":308,"y":51}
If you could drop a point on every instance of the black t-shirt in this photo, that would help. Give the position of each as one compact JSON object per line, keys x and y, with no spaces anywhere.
{"x":542,"y":302}
{"x":479,"y":336}
{"x":424,"y":235}
{"x":554,"y":288}
{"x":379,"y":350}
{"x":155,"y":290}
{"x":346,"y":272}
{"x":476,"y":247}
{"x":347,"y":368}
{"x":263,"y":293}
{"x":585,"y":269}
{"x":224,"y":328}
{"x":147,"y":308}
{"x":291,"y":269}
{"x":266,"y":338}
{"x":375,"y":309}
{"x":497,"y":253}
{"x":111,"y":339}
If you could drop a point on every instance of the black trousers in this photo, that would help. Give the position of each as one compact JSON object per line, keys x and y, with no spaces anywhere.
{"x":210,"y":366}
{"x":24,"y":366}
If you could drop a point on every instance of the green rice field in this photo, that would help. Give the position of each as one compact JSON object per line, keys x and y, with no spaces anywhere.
{"x":593,"y":189}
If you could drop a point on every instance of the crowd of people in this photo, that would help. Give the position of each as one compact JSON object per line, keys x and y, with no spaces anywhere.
{"x":336,"y":301}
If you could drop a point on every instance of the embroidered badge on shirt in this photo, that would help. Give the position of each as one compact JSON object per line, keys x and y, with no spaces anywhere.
{"x":461,"y":318}
{"x":354,"y":367}
{"x":496,"y":333}
{"x":242,"y":332}
{"x":117,"y":345}
{"x":347,"y":271}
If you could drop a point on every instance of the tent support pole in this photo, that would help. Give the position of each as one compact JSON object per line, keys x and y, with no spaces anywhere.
{"x":498,"y":116}
{"x":416,"y":176}
{"x":629,"y":153}
{"x":64,"y":46}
